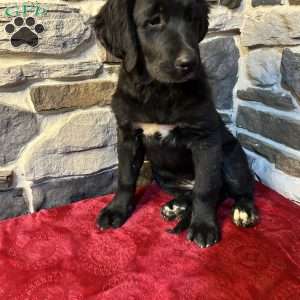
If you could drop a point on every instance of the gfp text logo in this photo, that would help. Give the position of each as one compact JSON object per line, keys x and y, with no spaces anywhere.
{"x":25,"y":9}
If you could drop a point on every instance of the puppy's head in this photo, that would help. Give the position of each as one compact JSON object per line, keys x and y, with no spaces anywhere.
{"x":162,"y":34}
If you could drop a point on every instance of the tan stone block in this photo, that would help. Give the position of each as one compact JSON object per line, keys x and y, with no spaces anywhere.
{"x":70,"y":96}
{"x":294,"y":2}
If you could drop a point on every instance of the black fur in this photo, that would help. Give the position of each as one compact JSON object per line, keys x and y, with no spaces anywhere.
{"x":163,"y":81}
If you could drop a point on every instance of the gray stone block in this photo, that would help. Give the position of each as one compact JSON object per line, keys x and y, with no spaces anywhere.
{"x":274,"y":99}
{"x":277,"y":26}
{"x":283,"y":162}
{"x":80,"y":144}
{"x":222,"y":19}
{"x":11,"y":76}
{"x":62,"y":191}
{"x":220,"y":57}
{"x":62,"y":29}
{"x":278,"y":128}
{"x":17,"y":127}
{"x":263,"y":67}
{"x":256,"y":3}
{"x":231,"y":3}
{"x":12,"y":203}
{"x":290,"y":70}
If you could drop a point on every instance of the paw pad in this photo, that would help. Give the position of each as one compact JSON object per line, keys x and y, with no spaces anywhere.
{"x":241,"y":217}
{"x":24,"y":31}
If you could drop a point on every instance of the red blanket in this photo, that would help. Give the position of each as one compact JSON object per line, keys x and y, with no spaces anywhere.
{"x":59,"y":254}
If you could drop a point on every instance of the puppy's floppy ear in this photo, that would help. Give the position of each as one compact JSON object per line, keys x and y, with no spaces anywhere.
{"x":115,"y":29}
{"x":205,"y":23}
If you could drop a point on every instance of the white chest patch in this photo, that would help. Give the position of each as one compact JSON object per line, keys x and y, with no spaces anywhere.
{"x":154,"y":128}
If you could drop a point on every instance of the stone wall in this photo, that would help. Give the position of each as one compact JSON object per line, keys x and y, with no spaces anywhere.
{"x":57,"y":132}
{"x":253,"y":53}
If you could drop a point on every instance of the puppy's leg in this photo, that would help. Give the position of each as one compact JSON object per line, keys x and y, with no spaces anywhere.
{"x":207,"y":157}
{"x":131,"y":156}
{"x":239,"y":182}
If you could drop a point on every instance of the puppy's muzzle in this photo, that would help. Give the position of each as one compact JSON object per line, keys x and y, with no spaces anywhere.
{"x":186,"y":64}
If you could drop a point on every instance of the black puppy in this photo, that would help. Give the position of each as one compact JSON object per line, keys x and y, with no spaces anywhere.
{"x":164,"y":110}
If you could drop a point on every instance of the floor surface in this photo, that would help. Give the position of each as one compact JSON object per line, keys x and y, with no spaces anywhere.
{"x":59,"y":254}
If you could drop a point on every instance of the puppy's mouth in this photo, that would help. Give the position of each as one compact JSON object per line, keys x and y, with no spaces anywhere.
{"x":178,"y":75}
{"x":186,"y":75}
{"x":172,"y":75}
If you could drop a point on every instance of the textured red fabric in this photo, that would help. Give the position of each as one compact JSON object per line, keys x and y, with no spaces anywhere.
{"x":58,"y":254}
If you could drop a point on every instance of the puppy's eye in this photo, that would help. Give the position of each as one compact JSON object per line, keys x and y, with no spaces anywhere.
{"x":156,"y":21}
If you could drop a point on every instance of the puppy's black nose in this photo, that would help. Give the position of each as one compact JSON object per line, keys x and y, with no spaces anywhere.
{"x":186,"y":63}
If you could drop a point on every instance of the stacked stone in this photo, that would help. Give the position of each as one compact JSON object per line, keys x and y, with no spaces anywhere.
{"x":57,"y":132}
{"x":252,"y":59}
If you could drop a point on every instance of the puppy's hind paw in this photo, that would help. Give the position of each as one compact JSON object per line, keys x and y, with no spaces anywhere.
{"x":174,"y":209}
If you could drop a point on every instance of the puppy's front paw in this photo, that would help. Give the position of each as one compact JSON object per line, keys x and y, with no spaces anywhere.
{"x":204,"y":234}
{"x":112,"y":217}
{"x":244,"y":216}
